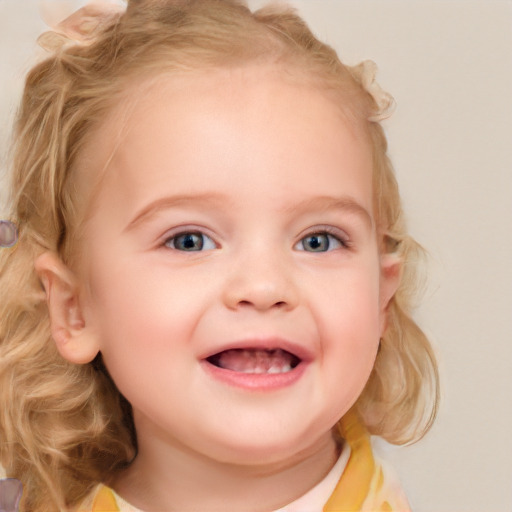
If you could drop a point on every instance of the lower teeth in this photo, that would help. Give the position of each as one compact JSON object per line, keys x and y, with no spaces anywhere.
{"x":272,"y":369}
{"x":255,"y":361}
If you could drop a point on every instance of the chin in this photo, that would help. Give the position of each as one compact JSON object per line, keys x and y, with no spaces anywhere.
{"x":263,"y":447}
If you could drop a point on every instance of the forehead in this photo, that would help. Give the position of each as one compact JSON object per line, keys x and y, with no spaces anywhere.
{"x":204,"y":124}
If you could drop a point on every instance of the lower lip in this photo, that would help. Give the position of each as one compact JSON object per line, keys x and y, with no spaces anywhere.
{"x":255,"y":381}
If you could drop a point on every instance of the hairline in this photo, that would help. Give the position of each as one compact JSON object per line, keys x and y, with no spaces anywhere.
{"x":133,"y":90}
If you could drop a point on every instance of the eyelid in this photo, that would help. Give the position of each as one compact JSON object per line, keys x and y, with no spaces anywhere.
{"x":337,"y":233}
{"x":187,"y":229}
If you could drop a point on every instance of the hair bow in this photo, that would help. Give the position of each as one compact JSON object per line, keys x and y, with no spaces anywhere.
{"x":385,"y":102}
{"x":81,"y":27}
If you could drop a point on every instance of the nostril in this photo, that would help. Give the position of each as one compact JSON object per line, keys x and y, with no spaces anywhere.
{"x":279,"y":304}
{"x":259,"y":293}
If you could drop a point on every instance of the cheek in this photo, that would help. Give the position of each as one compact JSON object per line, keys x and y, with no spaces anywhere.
{"x":142,"y":306}
{"x":349,"y":323}
{"x":140,"y":332}
{"x":351,"y":304}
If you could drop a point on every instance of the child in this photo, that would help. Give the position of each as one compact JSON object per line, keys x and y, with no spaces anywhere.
{"x":208,"y":304}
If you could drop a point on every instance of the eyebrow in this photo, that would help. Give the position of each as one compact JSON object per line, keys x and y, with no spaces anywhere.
{"x":330,"y":203}
{"x":165,"y":203}
{"x":323,"y":203}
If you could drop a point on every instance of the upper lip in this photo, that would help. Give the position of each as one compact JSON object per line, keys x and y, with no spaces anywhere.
{"x":271,"y":343}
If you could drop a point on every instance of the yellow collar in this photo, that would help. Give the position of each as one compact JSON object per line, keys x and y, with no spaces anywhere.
{"x":362,"y":486}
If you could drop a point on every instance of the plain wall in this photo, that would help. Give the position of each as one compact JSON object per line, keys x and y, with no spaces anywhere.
{"x":449,"y":66}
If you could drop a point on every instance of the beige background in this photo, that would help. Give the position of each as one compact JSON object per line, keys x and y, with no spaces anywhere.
{"x":449,"y":66}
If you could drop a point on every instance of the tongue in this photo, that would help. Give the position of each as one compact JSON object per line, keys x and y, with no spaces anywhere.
{"x":256,"y":361}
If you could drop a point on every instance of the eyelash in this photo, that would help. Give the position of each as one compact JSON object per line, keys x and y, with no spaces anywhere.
{"x":332,"y":234}
{"x":190,"y":233}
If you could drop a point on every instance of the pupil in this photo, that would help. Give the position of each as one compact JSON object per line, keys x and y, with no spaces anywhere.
{"x":314,"y":242}
{"x":191,"y":241}
{"x":318,"y":242}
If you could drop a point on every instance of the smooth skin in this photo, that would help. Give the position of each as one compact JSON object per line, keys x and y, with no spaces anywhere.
{"x":236,"y":208}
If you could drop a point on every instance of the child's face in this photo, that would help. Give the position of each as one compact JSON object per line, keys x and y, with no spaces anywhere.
{"x":236,"y":213}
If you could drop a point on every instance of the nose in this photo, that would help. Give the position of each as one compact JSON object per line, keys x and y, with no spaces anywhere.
{"x":262,"y":281}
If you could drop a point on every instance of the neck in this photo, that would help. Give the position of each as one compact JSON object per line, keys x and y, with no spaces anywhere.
{"x":168,"y":476}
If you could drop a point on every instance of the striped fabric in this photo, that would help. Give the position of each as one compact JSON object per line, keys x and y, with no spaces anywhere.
{"x":364,"y":485}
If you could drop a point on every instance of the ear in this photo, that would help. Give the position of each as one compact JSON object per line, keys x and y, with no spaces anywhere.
{"x":390,"y":276}
{"x":75,"y":340}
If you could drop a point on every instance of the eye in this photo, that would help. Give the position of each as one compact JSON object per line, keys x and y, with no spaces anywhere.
{"x":190,"y":242}
{"x":320,"y":242}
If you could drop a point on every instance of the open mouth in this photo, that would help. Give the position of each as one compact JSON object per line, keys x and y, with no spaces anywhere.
{"x":256,"y":361}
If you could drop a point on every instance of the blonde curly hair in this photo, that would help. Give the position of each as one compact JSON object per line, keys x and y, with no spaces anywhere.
{"x":65,"y":427}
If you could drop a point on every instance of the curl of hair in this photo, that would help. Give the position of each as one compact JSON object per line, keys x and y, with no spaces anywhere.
{"x":65,"y":427}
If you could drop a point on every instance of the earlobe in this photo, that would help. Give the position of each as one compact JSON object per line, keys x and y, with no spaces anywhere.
{"x":75,"y":340}
{"x":391,"y":275}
